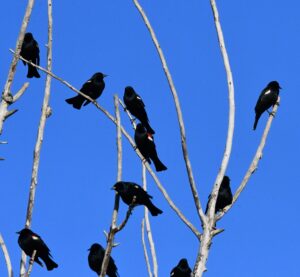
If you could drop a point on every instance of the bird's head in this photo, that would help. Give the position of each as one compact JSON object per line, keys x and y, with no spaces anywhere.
{"x":28,"y":37}
{"x":225,"y":182}
{"x":119,"y":187}
{"x":183,"y":263}
{"x":129,"y":91}
{"x":95,"y":247}
{"x":99,"y":76}
{"x":274,"y":85}
{"x":140,"y":128}
{"x":24,"y":231}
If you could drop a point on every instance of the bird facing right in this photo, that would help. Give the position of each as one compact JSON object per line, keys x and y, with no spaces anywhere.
{"x":29,"y":242}
{"x":95,"y":260}
{"x":31,"y":52}
{"x":145,"y":143}
{"x":224,"y":196}
{"x":266,"y":100}
{"x":181,"y":270}
{"x":135,"y":105}
{"x":92,"y":88}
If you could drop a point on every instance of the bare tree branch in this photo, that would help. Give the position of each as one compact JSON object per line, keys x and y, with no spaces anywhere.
{"x":178,"y":110}
{"x":12,"y":70}
{"x":148,"y":229}
{"x":209,"y":232}
{"x":20,"y":92}
{"x":113,"y":227}
{"x":145,"y":249}
{"x":257,"y":157}
{"x":40,"y":135}
{"x":6,"y":257}
{"x":31,"y":261}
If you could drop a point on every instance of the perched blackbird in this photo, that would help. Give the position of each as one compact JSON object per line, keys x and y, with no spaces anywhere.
{"x":29,"y":241}
{"x":266,"y":100}
{"x":135,"y":105}
{"x":129,"y":190}
{"x":224,"y":196}
{"x":95,"y":259}
{"x":92,"y":88}
{"x":31,"y":52}
{"x":145,"y":143}
{"x":181,"y":270}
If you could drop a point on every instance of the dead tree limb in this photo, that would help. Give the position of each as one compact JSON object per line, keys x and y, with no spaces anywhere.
{"x":40,"y":135}
{"x":6,"y":257}
{"x":178,"y":110}
{"x":6,"y":94}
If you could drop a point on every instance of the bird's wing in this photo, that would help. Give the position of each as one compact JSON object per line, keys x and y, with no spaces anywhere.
{"x":140,"y":100}
{"x":39,"y":241}
{"x":37,"y":53}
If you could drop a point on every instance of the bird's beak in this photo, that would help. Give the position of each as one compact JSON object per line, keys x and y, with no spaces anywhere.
{"x":88,"y":249}
{"x":280,"y":87}
{"x":18,"y":232}
{"x":105,"y":75}
{"x":113,"y":188}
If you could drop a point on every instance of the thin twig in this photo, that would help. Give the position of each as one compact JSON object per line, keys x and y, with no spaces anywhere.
{"x":41,"y":129}
{"x":128,"y":214}
{"x":178,"y":110}
{"x":12,"y":70}
{"x":257,"y":157}
{"x":6,"y":257}
{"x":20,"y":92}
{"x":31,"y":261}
{"x":145,"y":248}
{"x":208,"y":232}
{"x":113,"y":227}
{"x":129,"y":114}
{"x":131,"y":141}
{"x":148,"y":229}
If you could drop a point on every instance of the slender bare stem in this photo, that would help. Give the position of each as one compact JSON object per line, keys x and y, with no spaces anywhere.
{"x":40,"y":135}
{"x":20,"y":92}
{"x":113,"y":227}
{"x":31,"y":261}
{"x":178,"y":110}
{"x":13,"y":66}
{"x":228,"y":147}
{"x":253,"y":166}
{"x":148,"y":229}
{"x":131,"y":141}
{"x":145,"y":249}
{"x":6,"y":257}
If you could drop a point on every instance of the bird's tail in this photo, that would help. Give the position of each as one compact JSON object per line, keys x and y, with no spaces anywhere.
{"x":159,"y":166}
{"x":50,"y":264}
{"x":32,"y":72}
{"x":153,"y":209}
{"x":257,"y":116}
{"x":76,"y":101}
{"x":148,"y":127}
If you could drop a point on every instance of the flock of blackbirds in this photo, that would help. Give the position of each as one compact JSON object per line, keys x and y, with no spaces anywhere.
{"x":130,"y":193}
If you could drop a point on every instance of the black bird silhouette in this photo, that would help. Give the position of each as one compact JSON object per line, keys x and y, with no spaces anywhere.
{"x":92,"y":88}
{"x":181,"y":270}
{"x":266,"y":100}
{"x":224,"y":196}
{"x":95,"y":260}
{"x":31,"y":52}
{"x":30,"y":241}
{"x":135,"y":105}
{"x":145,"y":143}
{"x":129,"y":191}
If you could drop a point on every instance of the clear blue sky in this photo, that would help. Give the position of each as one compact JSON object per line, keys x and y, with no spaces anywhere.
{"x":78,"y":162}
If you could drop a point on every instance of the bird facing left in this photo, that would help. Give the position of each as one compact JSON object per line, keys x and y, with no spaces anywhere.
{"x":29,"y":242}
